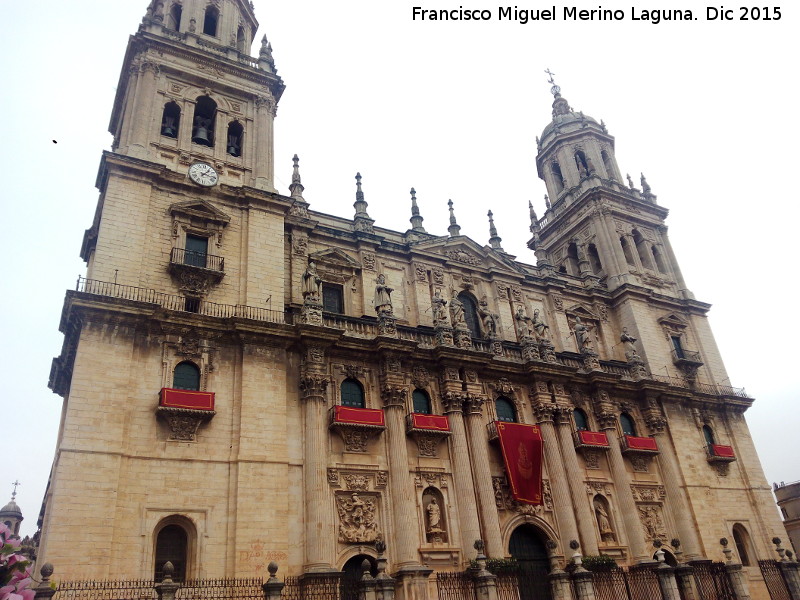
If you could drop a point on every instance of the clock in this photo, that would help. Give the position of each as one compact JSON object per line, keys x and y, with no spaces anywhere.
{"x":203,"y":174}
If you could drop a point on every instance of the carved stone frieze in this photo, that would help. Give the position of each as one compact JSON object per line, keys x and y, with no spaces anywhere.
{"x":430,"y":479}
{"x":591,"y":457}
{"x":381,"y":479}
{"x":355,"y":440}
{"x":358,"y":518}
{"x":462,"y":338}
{"x":420,"y":376}
{"x":505,"y":501}
{"x":462,"y":256}
{"x":640,"y":463}
{"x":368,"y":260}
{"x":299,"y":244}
{"x":502,"y":291}
{"x":652,"y":522}
{"x":421,"y":272}
{"x":387,"y":325}
{"x":311,"y":313}
{"x":444,"y":336}
{"x":648,"y":493}
{"x":516,"y":293}
{"x":503,"y":387}
{"x":558,"y":302}
{"x":438,"y":276}
{"x":356,"y":482}
{"x":427,"y":443}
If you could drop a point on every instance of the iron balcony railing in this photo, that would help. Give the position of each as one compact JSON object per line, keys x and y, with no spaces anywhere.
{"x":178,"y":303}
{"x":193,"y":258}
{"x":686,"y":356}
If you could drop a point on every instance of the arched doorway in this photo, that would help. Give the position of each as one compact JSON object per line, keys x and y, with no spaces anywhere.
{"x":352,"y":575}
{"x":527,"y":547}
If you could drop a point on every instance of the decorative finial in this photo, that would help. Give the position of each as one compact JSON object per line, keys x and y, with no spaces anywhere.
{"x":494,"y":239}
{"x":547,"y":201}
{"x":555,"y":90}
{"x":265,"y":60}
{"x":454,"y":228}
{"x":534,"y":218}
{"x":560,"y":105}
{"x":362,"y":220}
{"x":416,"y":219}
{"x":272,"y":567}
{"x":630,"y":181}
{"x":645,"y":186}
{"x":299,"y":207}
{"x":14,"y":493}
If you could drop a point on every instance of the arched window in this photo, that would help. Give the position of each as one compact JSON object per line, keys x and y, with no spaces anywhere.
{"x":471,"y":314}
{"x":641,"y":248}
{"x":174,"y":16}
{"x":626,"y":250}
{"x":581,"y":163}
{"x":172,"y":544}
{"x":235,"y":135}
{"x":205,"y":113}
{"x":505,"y":410}
{"x":422,"y":402}
{"x":170,"y":120}
{"x":186,"y":376}
{"x":608,"y":164}
{"x":352,"y":394}
{"x":558,"y":178}
{"x":708,"y":433}
{"x":581,"y":422}
{"x":241,"y":44}
{"x":210,"y":21}
{"x":594,"y":259}
{"x":742,"y":541}
{"x":626,"y":423}
{"x":572,"y":259}
{"x":658,"y":258}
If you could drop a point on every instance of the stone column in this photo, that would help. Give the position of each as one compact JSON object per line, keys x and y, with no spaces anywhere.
{"x":462,"y":472}
{"x":483,"y":476}
{"x":577,"y":488}
{"x":622,"y":481}
{"x":610,"y":261}
{"x":674,"y":264}
{"x":319,"y":527}
{"x":143,"y":109}
{"x":616,"y":249}
{"x":565,"y":516}
{"x":123,"y":136}
{"x":263,"y":160}
{"x":677,"y":503}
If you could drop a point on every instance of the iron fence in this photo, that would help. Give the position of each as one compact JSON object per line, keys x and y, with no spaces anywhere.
{"x":773,"y":577}
{"x":312,"y":588}
{"x":711,"y":580}
{"x":133,"y":589}
{"x":193,"y":258}
{"x":221,"y":589}
{"x":456,"y":586}
{"x":638,"y":582}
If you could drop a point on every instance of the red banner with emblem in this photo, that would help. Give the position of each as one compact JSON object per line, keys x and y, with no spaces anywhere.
{"x":522,"y":453}
{"x":432,"y":422}
{"x":641,"y":443}
{"x":187,"y":399}
{"x":722,"y":451}
{"x":359,"y":416}
{"x":593,"y":438}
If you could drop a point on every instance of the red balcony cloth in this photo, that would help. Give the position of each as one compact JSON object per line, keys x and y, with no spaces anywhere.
{"x":358,"y":416}
{"x":171,"y":398}
{"x":593,"y":438}
{"x":641,"y":443}
{"x":722,"y":451}
{"x":522,"y":454}
{"x":434,"y":422}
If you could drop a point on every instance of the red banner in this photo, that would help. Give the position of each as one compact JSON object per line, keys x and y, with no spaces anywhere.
{"x":641,"y":443}
{"x":434,"y":422}
{"x":522,"y":454}
{"x":722,"y":451}
{"x":593,"y":438}
{"x":187,"y":399}
{"x":358,"y":416}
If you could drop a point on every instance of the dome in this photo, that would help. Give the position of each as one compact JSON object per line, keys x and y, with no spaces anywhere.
{"x":11,"y":510}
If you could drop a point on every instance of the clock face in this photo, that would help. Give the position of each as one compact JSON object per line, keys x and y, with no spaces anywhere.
{"x":203,"y":174}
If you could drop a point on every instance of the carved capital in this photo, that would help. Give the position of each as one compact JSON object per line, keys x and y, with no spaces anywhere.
{"x":473,"y":403}
{"x":607,"y":419}
{"x":393,"y":395}
{"x":656,"y":423}
{"x":313,"y":386}
{"x":543,"y":412}
{"x":452,"y":401}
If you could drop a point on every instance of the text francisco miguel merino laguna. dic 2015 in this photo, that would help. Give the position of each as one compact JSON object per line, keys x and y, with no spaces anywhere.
{"x":573,"y":13}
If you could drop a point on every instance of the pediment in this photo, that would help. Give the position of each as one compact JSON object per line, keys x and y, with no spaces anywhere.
{"x":579,"y":310}
{"x":463,"y":250}
{"x":335,"y":256}
{"x":673,"y":320}
{"x":200,"y":209}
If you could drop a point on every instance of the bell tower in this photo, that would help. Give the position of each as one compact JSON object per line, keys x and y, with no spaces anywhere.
{"x":190,"y":91}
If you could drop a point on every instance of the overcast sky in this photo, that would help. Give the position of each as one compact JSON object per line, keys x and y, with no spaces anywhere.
{"x":707,"y":110}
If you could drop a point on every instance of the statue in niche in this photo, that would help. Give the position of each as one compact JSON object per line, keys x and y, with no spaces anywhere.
{"x":582,"y":336}
{"x":628,"y":340}
{"x":488,"y":319}
{"x":604,"y":522}
{"x":434,"y":516}
{"x":312,"y":283}
{"x":383,"y":299}
{"x":357,"y":519}
{"x":457,"y":311}
{"x":524,"y":324}
{"x":540,"y":328}
{"x":435,"y":530}
{"x":439,"y":313}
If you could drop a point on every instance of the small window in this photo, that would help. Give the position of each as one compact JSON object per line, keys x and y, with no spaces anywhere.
{"x":742,"y":541}
{"x":241,"y":43}
{"x":205,"y":113}
{"x":235,"y":135}
{"x":470,"y":314}
{"x":645,"y":256}
{"x":210,"y":21}
{"x":678,"y":346}
{"x":332,"y":298}
{"x":594,"y":259}
{"x":505,"y":410}
{"x":626,"y":250}
{"x":174,"y":17}
{"x":581,"y":423}
{"x":608,"y":165}
{"x":352,"y":394}
{"x":422,"y":403}
{"x":581,"y":163}
{"x":170,"y":120}
{"x":186,"y":376}
{"x":626,"y":422}
{"x":708,"y":434}
{"x":171,"y":545}
{"x":196,"y":253}
{"x":558,"y":178}
{"x":573,"y":261}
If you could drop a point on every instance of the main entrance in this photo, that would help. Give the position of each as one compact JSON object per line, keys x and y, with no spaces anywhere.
{"x":527,"y":547}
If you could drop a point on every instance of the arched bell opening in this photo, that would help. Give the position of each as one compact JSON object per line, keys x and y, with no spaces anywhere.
{"x":170,"y":120}
{"x":235,"y":135}
{"x":205,"y":112}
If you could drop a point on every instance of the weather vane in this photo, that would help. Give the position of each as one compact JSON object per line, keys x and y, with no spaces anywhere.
{"x":14,"y":493}
{"x":555,"y":90}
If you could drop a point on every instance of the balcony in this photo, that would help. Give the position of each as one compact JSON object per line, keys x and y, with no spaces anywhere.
{"x":689,"y":358}
{"x":195,"y":272}
{"x":184,"y":411}
{"x":632,"y":444}
{"x":356,"y":425}
{"x":717,"y":453}
{"x":200,"y":260}
{"x":590,"y":439}
{"x":427,"y":431}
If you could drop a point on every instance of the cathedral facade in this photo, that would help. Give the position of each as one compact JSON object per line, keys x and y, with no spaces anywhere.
{"x":248,"y":380}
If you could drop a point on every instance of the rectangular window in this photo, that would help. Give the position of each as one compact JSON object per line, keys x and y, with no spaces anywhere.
{"x":332,"y":298}
{"x":196,"y":251}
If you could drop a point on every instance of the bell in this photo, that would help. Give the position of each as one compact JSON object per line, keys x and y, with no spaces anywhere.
{"x":201,"y":136}
{"x":233,"y":149}
{"x":168,"y":131}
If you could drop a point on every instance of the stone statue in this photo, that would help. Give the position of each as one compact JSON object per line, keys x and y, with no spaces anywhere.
{"x":439,"y":313}
{"x":434,"y":516}
{"x":457,"y":311}
{"x":604,"y":523}
{"x":628,"y":340}
{"x":523,"y":324}
{"x":488,"y":319}
{"x":311,"y":283}
{"x":383,"y":299}
{"x":540,"y":328}
{"x":582,"y":336}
